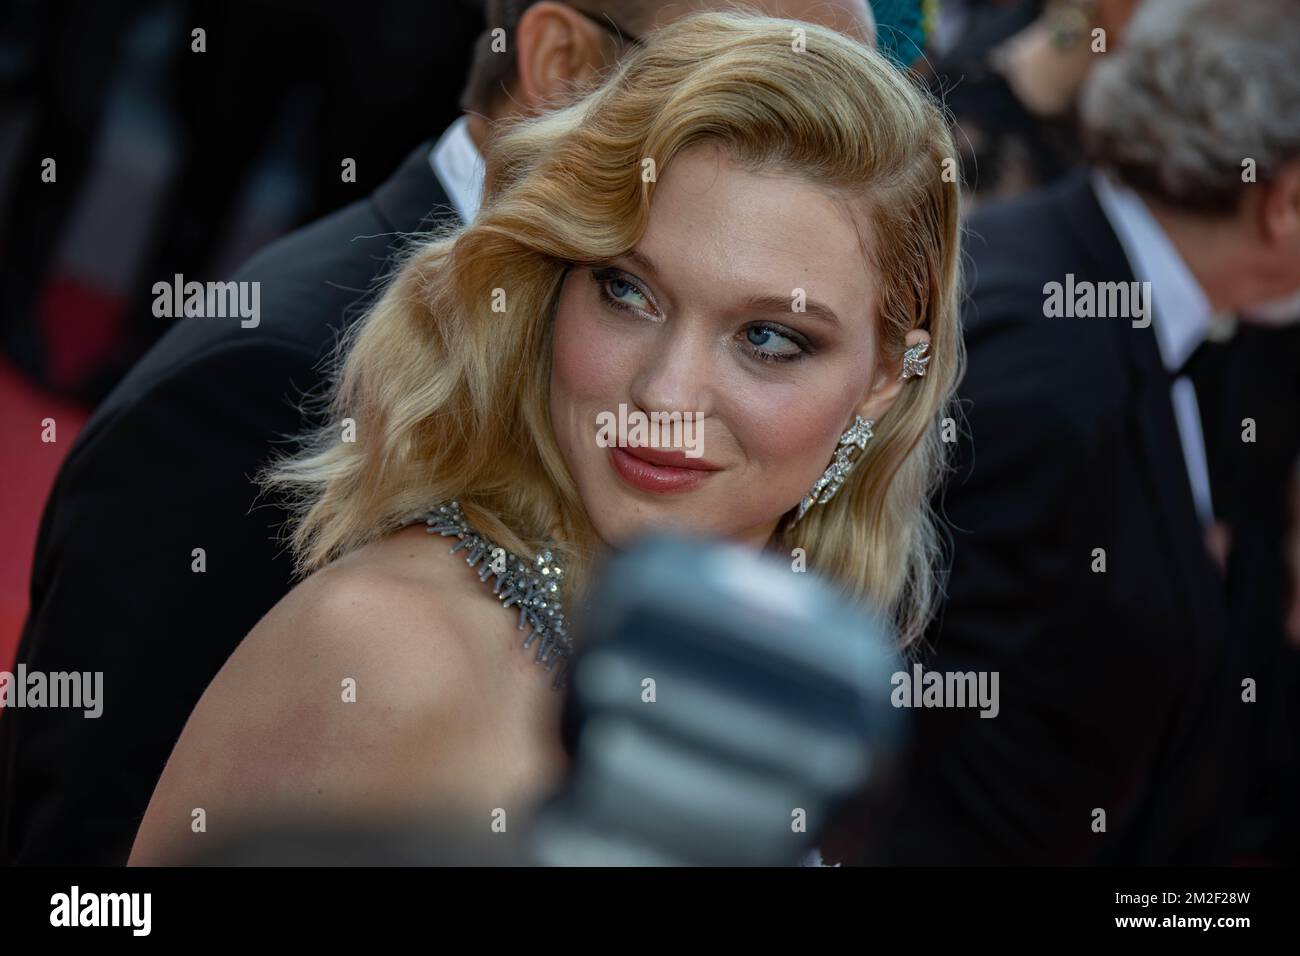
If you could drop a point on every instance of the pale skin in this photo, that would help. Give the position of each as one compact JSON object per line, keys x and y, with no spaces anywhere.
{"x":451,"y":715}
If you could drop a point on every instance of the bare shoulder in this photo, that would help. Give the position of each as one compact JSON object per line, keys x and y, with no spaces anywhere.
{"x":359,"y":692}
{"x":389,"y":620}
{"x":394,"y":599}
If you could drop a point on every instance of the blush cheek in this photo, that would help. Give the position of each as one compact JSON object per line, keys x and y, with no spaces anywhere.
{"x":792,"y":452}
{"x":585,"y":372}
{"x":585,"y":380}
{"x":579,"y":371}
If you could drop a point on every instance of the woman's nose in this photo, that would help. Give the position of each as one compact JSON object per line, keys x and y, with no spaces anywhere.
{"x":676,"y":372}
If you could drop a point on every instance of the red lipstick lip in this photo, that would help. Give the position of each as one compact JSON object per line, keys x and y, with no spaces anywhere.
{"x":657,"y":479}
{"x":670,"y":459}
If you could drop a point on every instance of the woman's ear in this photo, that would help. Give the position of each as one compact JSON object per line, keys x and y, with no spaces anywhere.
{"x":892,"y":377}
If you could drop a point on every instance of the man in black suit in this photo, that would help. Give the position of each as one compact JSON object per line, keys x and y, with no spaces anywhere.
{"x":164,"y":466}
{"x":1087,"y":525}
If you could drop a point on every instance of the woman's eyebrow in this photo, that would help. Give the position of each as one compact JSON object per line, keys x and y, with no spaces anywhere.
{"x":785,"y":303}
{"x":758,"y":303}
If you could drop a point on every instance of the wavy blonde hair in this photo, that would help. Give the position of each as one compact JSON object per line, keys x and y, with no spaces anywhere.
{"x":450,"y":398}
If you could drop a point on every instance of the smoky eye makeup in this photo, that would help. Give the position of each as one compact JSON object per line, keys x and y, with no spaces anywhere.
{"x":619,"y":290}
{"x":760,"y":340}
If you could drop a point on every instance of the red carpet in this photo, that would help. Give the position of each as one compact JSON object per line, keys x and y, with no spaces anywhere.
{"x":28,"y":466}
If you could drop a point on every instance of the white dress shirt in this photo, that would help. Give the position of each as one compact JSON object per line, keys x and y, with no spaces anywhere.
{"x":459,"y":166}
{"x":1182,"y":316}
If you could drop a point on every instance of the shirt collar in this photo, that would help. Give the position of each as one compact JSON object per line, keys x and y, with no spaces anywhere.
{"x":459,"y":166}
{"x":1183,"y":315}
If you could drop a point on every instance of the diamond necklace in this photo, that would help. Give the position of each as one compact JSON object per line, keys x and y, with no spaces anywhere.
{"x":534,"y":587}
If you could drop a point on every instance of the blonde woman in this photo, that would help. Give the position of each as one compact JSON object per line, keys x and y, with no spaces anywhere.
{"x":748,"y":223}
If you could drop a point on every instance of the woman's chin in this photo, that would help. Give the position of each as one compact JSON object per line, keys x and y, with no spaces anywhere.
{"x":620,"y":526}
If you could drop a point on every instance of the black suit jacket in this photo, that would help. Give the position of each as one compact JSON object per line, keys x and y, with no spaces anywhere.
{"x":1252,"y":488}
{"x":1117,"y":687}
{"x":164,"y":467}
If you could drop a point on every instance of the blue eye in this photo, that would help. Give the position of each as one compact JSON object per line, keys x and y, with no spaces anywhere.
{"x":620,"y":292}
{"x":766,"y":343}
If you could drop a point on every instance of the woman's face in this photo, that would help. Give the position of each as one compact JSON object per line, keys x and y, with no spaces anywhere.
{"x":703,"y":318}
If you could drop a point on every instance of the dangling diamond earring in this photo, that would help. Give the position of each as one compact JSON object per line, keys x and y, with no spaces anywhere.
{"x":851,"y":443}
{"x":915,"y":360}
